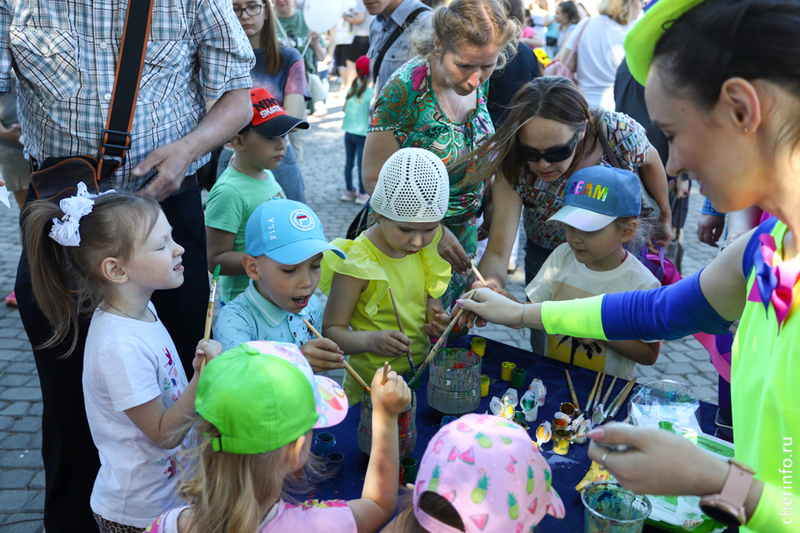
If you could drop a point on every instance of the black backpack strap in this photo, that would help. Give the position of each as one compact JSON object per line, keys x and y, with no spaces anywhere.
{"x":116,"y":138}
{"x":393,"y":37}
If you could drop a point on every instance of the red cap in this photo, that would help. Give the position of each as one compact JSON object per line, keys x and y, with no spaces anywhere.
{"x":362,"y":66}
{"x":269,"y":118}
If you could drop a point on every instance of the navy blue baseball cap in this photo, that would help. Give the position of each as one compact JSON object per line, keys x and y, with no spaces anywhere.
{"x":287,"y":232}
{"x":595,"y":197}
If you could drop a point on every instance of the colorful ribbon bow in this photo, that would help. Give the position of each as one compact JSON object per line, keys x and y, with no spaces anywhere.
{"x":774,"y":283}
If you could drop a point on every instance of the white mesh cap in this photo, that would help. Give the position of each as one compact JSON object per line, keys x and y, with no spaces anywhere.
{"x":413,"y":186}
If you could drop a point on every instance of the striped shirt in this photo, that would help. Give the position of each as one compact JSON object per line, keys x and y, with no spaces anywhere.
{"x":66,"y":51}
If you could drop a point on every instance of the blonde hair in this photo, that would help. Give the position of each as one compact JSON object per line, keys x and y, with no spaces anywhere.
{"x":229,"y":491}
{"x":618,"y":10}
{"x":115,"y":225}
{"x":463,"y":23}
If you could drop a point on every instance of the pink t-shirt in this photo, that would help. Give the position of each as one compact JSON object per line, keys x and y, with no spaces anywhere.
{"x":332,"y":516}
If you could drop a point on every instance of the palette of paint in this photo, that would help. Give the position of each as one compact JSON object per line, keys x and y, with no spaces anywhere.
{"x":454,"y":387}
{"x":406,"y":422}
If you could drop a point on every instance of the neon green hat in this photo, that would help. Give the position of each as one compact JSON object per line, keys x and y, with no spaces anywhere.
{"x":642,"y":39}
{"x":263,"y":395}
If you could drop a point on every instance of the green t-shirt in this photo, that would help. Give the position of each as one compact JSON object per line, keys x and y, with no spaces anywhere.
{"x":232,"y":200}
{"x":292,"y":31}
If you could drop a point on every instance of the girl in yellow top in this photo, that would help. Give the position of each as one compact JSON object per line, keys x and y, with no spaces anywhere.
{"x":409,"y":202}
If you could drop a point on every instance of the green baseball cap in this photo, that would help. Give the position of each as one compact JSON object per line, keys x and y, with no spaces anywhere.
{"x":640,"y":43}
{"x":263,"y":395}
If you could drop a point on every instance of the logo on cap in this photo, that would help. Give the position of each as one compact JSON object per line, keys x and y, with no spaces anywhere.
{"x":302,"y":220}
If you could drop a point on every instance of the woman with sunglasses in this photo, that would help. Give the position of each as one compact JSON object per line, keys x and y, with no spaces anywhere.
{"x":548,"y":134}
{"x":281,"y":71}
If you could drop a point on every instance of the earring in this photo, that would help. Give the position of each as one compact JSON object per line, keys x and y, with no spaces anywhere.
{"x":746,"y":130}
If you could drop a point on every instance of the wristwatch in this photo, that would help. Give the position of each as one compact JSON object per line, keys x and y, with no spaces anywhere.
{"x":727,"y":507}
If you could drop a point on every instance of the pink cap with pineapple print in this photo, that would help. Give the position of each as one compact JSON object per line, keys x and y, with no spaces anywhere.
{"x":491,"y":472}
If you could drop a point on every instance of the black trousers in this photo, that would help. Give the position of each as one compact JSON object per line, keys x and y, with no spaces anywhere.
{"x":69,"y":455}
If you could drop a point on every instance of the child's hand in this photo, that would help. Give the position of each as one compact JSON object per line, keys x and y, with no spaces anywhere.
{"x":437,"y":319}
{"x":205,"y":350}
{"x":323,"y":354}
{"x":390,"y":343}
{"x":390,"y":398}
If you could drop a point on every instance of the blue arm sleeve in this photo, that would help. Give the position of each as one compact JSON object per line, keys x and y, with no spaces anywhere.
{"x":708,"y":209}
{"x":669,"y":313}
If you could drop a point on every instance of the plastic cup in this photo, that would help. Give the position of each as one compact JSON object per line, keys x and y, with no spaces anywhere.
{"x":506,"y":369}
{"x":611,"y":509}
{"x":334,"y":464}
{"x":410,"y":468}
{"x":324,"y":443}
{"x":478,"y":345}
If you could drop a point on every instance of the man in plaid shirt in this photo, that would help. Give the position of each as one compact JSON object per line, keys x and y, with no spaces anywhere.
{"x":65,"y":56}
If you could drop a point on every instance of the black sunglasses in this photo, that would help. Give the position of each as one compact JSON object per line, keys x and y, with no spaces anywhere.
{"x":553,"y":155}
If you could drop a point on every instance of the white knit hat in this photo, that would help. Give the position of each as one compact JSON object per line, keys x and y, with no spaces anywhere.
{"x":413,"y":186}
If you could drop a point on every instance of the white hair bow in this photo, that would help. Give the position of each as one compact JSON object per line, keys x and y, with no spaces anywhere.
{"x":66,"y":231}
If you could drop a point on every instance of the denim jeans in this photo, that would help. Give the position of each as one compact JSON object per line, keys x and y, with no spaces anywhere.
{"x":353,"y":149}
{"x":535,"y":256}
{"x":289,"y":177}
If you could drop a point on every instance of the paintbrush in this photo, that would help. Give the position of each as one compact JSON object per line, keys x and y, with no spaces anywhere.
{"x":210,"y":313}
{"x":439,"y":343}
{"x":385,"y":372}
{"x":478,"y":274}
{"x":621,"y":399}
{"x":347,"y":366}
{"x":572,"y":392}
{"x":400,"y":327}
{"x":599,"y":412}
{"x":591,"y":396}
{"x":599,"y":392}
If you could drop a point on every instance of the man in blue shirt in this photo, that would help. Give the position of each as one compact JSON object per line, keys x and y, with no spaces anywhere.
{"x":392,"y":14}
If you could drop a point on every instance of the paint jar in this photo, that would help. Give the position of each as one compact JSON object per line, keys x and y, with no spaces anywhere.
{"x":560,"y":423}
{"x":506,"y":370}
{"x":569,"y":409}
{"x":485,"y":385}
{"x":334,"y":464}
{"x":410,"y":469}
{"x":539,"y":391}
{"x":518,"y":377}
{"x":415,"y":385}
{"x":479,"y":345}
{"x":611,"y":509}
{"x":519,"y":417}
{"x":407,"y":425}
{"x":454,"y":385}
{"x":402,"y":473}
{"x":447,"y":419}
{"x":324,"y":443}
{"x":561,"y":441}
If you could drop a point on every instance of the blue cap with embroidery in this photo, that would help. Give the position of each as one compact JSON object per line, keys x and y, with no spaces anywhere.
{"x":287,"y":232}
{"x":595,"y":197}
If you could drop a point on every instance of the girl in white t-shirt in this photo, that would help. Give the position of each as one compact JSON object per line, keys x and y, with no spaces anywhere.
{"x":135,"y":389}
{"x":601,"y":214}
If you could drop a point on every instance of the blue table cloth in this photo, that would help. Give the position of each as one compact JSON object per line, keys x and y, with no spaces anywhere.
{"x":568,"y":469}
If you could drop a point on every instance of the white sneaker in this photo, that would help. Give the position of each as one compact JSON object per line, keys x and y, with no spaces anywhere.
{"x":349,"y":196}
{"x":362,"y":199}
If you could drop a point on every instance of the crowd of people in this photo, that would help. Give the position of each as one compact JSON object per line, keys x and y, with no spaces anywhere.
{"x":152,"y":423}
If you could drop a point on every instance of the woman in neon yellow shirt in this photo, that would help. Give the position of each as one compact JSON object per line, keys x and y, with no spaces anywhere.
{"x":723,"y":83}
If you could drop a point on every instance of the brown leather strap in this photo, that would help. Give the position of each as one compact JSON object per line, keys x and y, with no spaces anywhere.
{"x":612,"y":157}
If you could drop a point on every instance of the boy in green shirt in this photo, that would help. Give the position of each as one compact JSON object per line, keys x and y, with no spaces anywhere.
{"x":245,"y":184}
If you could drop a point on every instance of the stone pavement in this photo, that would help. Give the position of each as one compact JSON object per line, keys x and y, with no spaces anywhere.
{"x":21,"y":471}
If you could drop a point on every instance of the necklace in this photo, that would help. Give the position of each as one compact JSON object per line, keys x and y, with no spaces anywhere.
{"x":123,"y":312}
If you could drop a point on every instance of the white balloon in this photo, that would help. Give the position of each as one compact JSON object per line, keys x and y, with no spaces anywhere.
{"x":321,"y":15}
